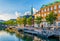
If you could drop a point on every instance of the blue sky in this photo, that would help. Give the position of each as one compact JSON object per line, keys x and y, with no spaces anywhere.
{"x":11,"y":6}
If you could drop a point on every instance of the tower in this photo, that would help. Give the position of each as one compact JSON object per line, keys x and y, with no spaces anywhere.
{"x":32,"y":10}
{"x":32,"y":16}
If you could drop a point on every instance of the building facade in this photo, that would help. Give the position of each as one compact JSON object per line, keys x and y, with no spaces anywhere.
{"x":46,"y":9}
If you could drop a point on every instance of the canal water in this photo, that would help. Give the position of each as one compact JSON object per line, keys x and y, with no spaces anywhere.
{"x":6,"y":36}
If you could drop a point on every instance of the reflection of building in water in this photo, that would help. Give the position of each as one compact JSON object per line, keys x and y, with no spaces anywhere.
{"x":36,"y":39}
{"x":28,"y":37}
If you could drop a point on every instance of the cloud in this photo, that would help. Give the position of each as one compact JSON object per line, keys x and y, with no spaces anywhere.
{"x":7,"y":16}
{"x":29,"y":12}
{"x":17,"y":14}
{"x":34,"y":10}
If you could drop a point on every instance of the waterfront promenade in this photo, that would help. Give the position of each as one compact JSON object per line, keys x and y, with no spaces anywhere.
{"x":39,"y":31}
{"x":44,"y":32}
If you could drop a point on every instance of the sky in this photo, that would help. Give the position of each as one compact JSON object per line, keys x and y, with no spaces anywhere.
{"x":10,"y":9}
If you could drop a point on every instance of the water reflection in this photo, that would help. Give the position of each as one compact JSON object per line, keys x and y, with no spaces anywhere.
{"x":6,"y":36}
{"x":28,"y":37}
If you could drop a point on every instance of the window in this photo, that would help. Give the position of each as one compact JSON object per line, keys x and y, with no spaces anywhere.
{"x":45,"y":10}
{"x":48,"y":13}
{"x":55,"y":11}
{"x":51,"y":8}
{"x":59,"y":6}
{"x":54,"y":7}
{"x":42,"y":10}
{"x":44,"y":14}
{"x":59,"y":11}
{"x":48,"y":9}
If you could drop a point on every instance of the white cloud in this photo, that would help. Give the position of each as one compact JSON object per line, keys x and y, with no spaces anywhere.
{"x":17,"y":14}
{"x":29,"y":12}
{"x":34,"y":10}
{"x":7,"y":16}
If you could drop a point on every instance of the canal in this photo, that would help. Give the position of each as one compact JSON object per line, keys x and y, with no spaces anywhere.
{"x":7,"y":36}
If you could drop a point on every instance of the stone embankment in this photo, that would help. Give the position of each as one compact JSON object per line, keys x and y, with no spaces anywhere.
{"x":35,"y":31}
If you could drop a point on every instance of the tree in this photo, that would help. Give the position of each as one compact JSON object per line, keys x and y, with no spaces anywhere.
{"x":29,"y":20}
{"x":19,"y":21}
{"x":10,"y":22}
{"x":24,"y":21}
{"x":51,"y":18}
{"x":38,"y":20}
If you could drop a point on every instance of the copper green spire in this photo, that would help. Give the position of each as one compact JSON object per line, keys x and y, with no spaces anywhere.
{"x":32,"y":10}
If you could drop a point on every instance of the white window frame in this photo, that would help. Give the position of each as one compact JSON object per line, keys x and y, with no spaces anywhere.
{"x":48,"y":9}
{"x":55,"y":7}
{"x":42,"y":10}
{"x":51,"y":8}
{"x":45,"y":14}
{"x":58,"y":11}
{"x":59,"y":6}
{"x":55,"y":11}
{"x":45,"y":10}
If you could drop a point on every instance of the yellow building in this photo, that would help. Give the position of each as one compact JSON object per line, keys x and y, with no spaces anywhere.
{"x":46,"y":9}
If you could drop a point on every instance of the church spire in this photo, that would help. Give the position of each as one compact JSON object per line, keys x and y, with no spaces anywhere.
{"x":32,"y":10}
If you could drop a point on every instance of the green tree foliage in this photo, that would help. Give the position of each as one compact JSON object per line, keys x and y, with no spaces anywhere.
{"x":10,"y":22}
{"x":38,"y":20}
{"x":19,"y":20}
{"x":29,"y":20}
{"x":1,"y":22}
{"x":24,"y":20}
{"x":51,"y":18}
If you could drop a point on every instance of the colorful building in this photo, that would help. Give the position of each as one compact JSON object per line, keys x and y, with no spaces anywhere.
{"x":46,"y":9}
